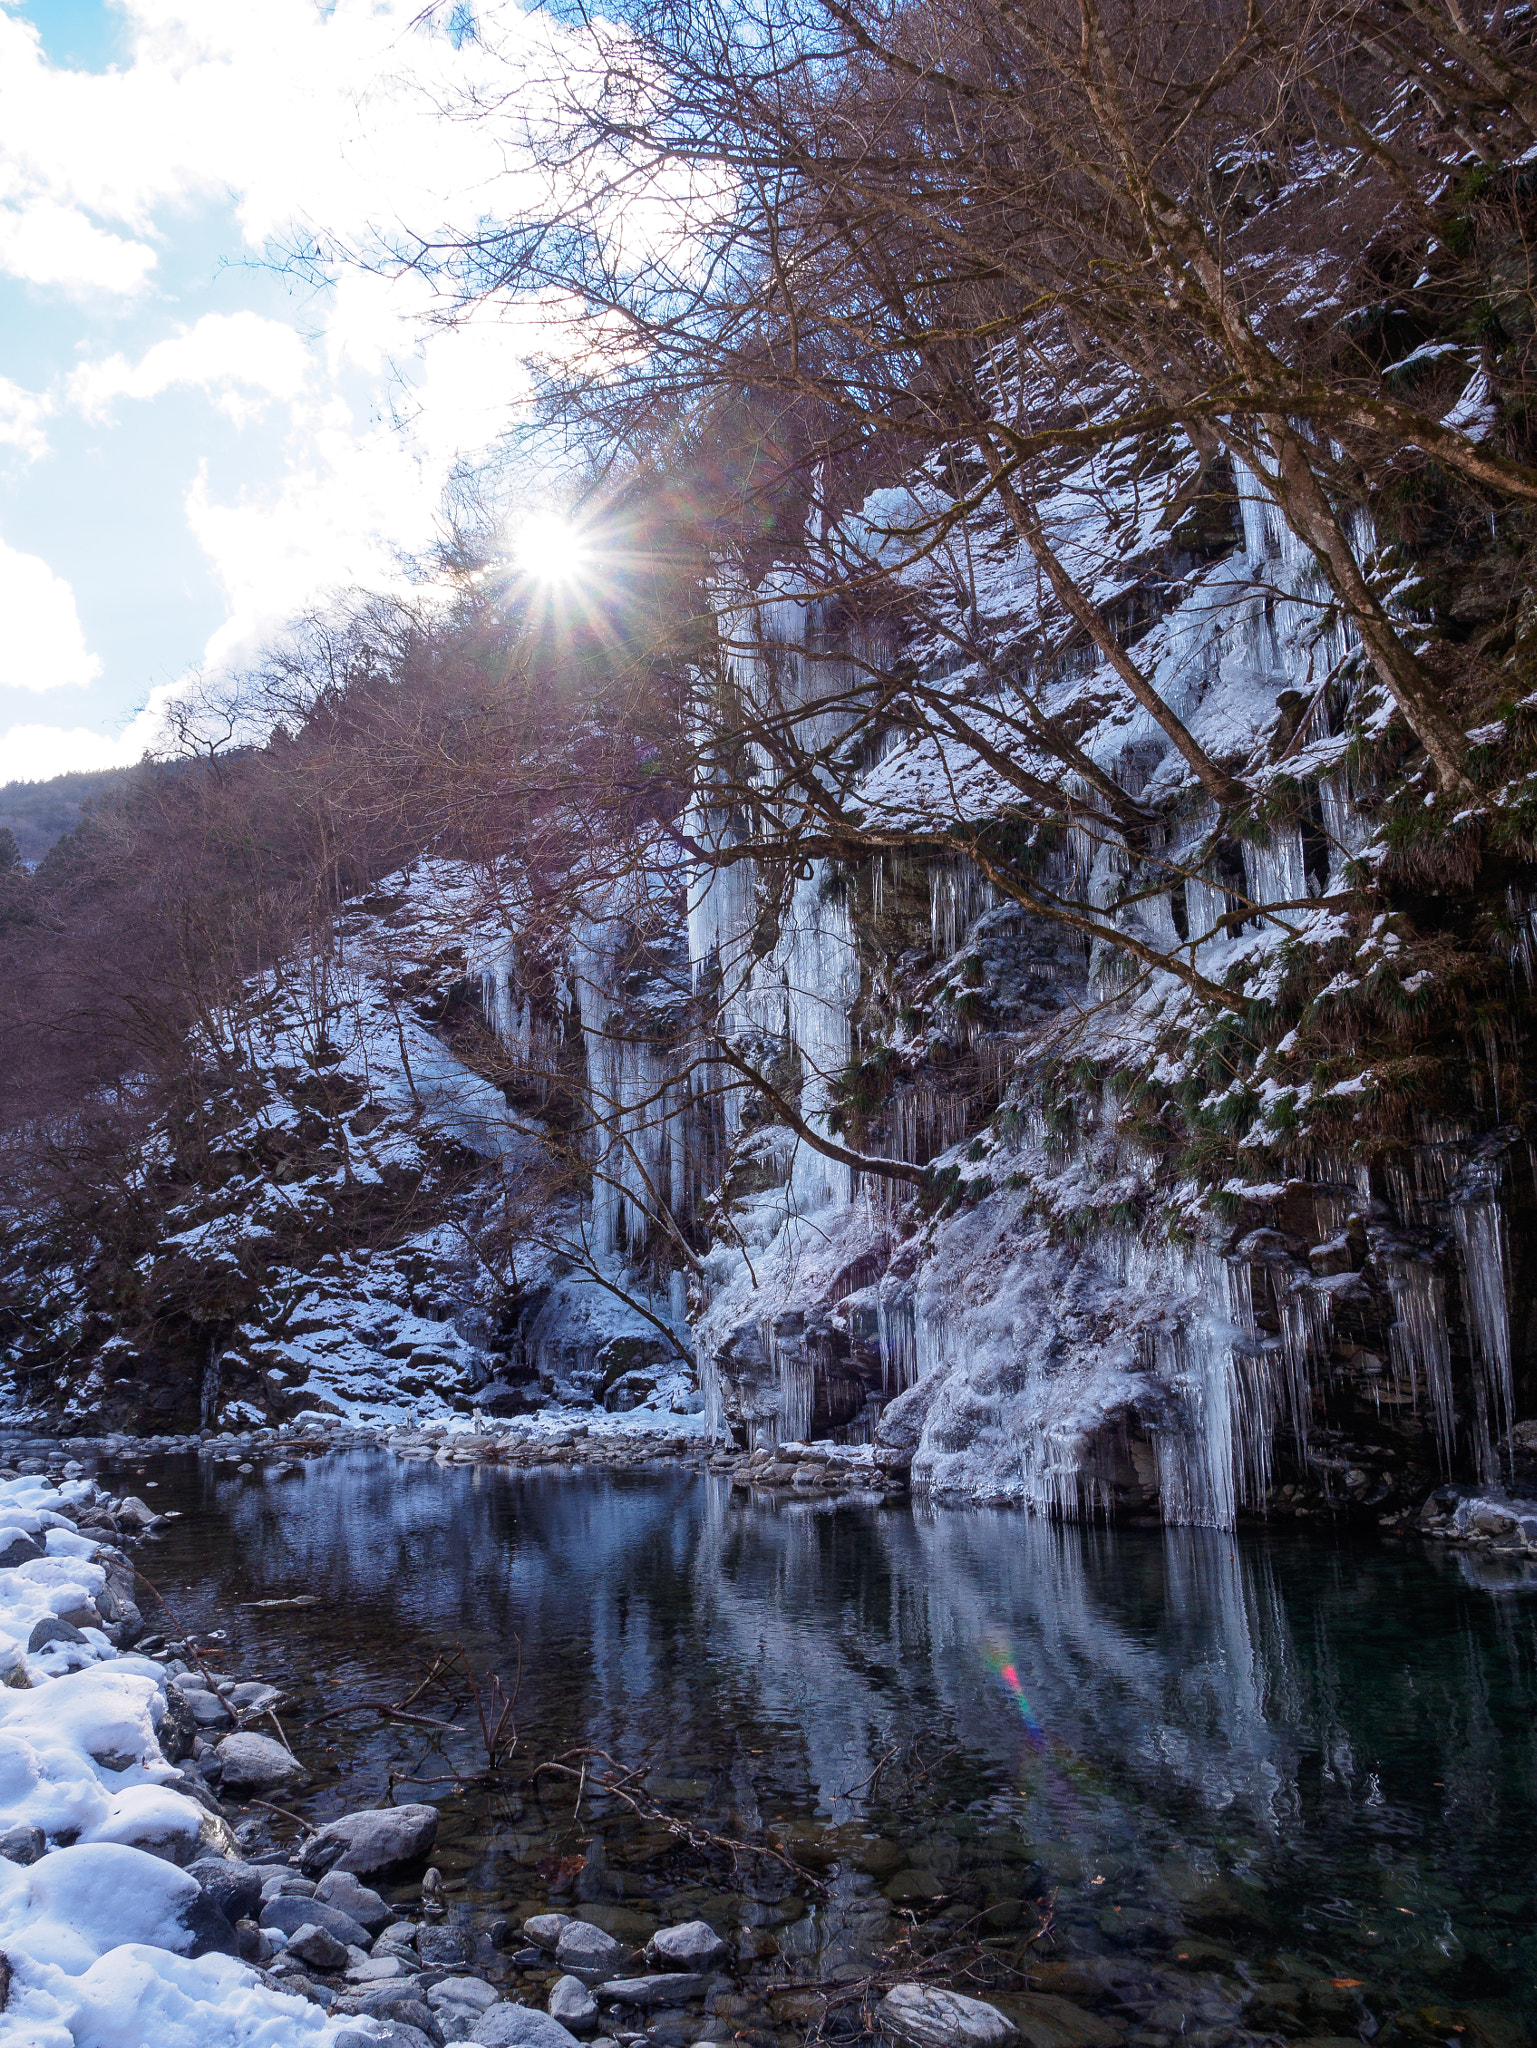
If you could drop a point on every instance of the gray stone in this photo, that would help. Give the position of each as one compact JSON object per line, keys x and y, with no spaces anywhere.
{"x":22,"y":1844}
{"x":53,"y":1630}
{"x":319,"y":1949}
{"x":520,"y":2026}
{"x":933,"y":2018}
{"x":235,"y":1888}
{"x":466,"y":1991}
{"x":398,"y":1934}
{"x":252,"y":1698}
{"x":546,"y":1929}
{"x":673,"y":1988}
{"x":207,"y":1709}
{"x":288,"y":1915}
{"x":340,"y":1888}
{"x":396,"y":2034}
{"x":372,"y":1844}
{"x":442,"y":1945}
{"x":285,"y":1883}
{"x":255,"y":1763}
{"x":15,"y":1548}
{"x":573,"y":2005}
{"x":587,"y":1948}
{"x":693,"y":1946}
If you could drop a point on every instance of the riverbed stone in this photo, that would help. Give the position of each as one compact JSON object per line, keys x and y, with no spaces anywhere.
{"x":467,"y":1991}
{"x":347,"y":1892}
{"x":545,"y":1929}
{"x":207,"y":1709}
{"x":372,"y":1844}
{"x":255,"y":1763}
{"x":1046,"y":2020}
{"x":672,"y":1987}
{"x":582,"y":1946}
{"x":692,"y":1946}
{"x":288,"y":1915}
{"x":520,"y":2026}
{"x":319,"y":1949}
{"x":444,"y":1946}
{"x":573,"y":2005}
{"x":17,"y":1548}
{"x":931,"y":2017}
{"x":22,"y":1844}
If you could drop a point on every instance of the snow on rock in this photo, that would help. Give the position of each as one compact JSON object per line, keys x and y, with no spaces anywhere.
{"x":100,"y":1931}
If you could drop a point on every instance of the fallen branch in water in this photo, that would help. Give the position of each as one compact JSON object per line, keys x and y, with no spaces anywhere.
{"x":391,"y":1713}
{"x":577,"y":1763}
{"x":307,"y":1825}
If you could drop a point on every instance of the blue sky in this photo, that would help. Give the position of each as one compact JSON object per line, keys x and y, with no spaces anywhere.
{"x":193,"y":444}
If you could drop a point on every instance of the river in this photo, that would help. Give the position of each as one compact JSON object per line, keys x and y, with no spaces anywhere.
{"x":1304,"y":1764}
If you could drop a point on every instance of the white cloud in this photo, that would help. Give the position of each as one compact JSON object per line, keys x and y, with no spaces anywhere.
{"x":225,"y":354}
{"x":42,"y":644}
{"x":33,"y":753}
{"x":42,"y":242}
{"x":21,"y":420}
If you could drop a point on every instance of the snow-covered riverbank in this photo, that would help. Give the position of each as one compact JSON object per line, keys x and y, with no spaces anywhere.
{"x":108,"y":1940}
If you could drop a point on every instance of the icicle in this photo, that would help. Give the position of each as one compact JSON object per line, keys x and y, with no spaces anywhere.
{"x":1419,"y":1345}
{"x":1481,"y":1253}
{"x":1275,"y":871}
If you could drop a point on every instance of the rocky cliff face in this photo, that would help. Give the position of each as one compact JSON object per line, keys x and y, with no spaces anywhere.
{"x":1167,"y":1263}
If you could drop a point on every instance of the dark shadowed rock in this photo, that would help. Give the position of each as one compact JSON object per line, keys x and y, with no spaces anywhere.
{"x":53,"y":1630}
{"x":317,"y":1948}
{"x":22,"y":1844}
{"x":235,"y":1888}
{"x":210,"y":1929}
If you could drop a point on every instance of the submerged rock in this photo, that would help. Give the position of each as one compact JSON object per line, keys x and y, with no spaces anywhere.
{"x":933,"y":2018}
{"x":583,"y":1947}
{"x":673,"y":1988}
{"x":693,"y":1946}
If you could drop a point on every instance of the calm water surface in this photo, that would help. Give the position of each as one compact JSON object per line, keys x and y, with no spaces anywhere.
{"x":1299,"y":1764}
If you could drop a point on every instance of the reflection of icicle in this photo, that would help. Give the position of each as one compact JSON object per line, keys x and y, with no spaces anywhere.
{"x":1480,"y":1225}
{"x":1419,"y":1346}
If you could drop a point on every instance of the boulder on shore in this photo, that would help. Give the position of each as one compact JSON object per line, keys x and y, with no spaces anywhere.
{"x":372,"y":1844}
{"x":255,"y":1763}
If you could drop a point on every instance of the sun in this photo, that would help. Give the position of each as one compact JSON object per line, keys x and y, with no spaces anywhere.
{"x":550,"y":550}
